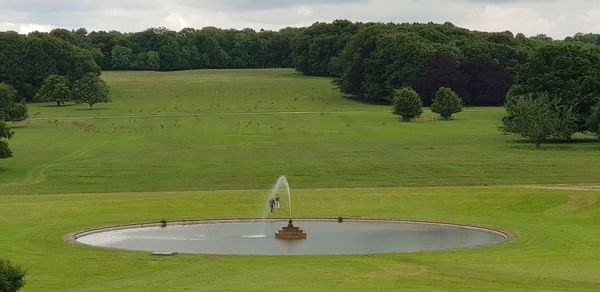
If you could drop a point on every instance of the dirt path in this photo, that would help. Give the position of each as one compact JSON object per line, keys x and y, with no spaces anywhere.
{"x":567,"y":187}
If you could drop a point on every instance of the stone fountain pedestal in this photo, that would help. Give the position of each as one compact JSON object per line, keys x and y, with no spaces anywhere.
{"x":290,"y":232}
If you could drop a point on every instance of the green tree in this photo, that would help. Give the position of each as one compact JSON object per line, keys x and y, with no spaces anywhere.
{"x":593,"y":122}
{"x":568,"y":73}
{"x":446,"y":103}
{"x":54,"y":89}
{"x":91,"y":90}
{"x":122,"y":58}
{"x":147,"y":61}
{"x":567,"y":123}
{"x":7,"y":95}
{"x":407,"y":103}
{"x":11,"y":277}
{"x":533,"y":118}
{"x":16,"y":112}
{"x":5,"y":134}
{"x":314,"y":48}
{"x":9,"y":109}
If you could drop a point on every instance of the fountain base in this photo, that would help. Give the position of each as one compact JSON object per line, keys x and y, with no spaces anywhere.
{"x":290,"y":232}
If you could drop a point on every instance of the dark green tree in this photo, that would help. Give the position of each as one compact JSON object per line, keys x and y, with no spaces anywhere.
{"x":593,"y":122}
{"x":149,"y":60}
{"x":54,"y":89}
{"x":11,"y":276}
{"x":10,"y":110}
{"x":91,"y":90}
{"x":122,"y":58}
{"x":446,"y":103}
{"x":314,"y":48}
{"x":16,"y":112}
{"x":407,"y":103}
{"x":5,"y":134}
{"x":7,"y":95}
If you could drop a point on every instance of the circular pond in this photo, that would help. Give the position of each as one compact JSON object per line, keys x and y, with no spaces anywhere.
{"x":325,"y":237}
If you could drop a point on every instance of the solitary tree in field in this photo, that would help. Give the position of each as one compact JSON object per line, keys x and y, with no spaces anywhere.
{"x":91,"y":90}
{"x":407,"y":104}
{"x":54,"y":89}
{"x":446,"y":103}
{"x":532,"y":118}
{"x":11,"y":277}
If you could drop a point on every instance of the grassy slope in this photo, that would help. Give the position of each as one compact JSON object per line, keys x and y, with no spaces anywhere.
{"x":232,"y":130}
{"x":163,"y":133}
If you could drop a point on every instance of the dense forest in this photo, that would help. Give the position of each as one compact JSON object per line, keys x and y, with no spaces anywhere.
{"x":367,"y":60}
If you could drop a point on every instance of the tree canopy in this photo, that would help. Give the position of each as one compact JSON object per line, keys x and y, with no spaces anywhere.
{"x":91,"y":90}
{"x":382,"y":57}
{"x":26,"y":61}
{"x":10,"y":110}
{"x":5,"y":134}
{"x":407,"y":103}
{"x":446,"y":103}
{"x":532,"y":118}
{"x":54,"y":89}
{"x":11,"y":277}
{"x":568,"y":73}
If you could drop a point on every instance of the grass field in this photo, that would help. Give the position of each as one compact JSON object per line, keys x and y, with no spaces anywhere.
{"x":208,"y":144}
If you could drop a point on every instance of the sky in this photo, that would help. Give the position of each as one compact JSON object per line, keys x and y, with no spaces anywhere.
{"x":555,"y":18}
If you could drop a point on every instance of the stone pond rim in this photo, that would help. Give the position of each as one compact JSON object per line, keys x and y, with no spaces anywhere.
{"x":500,"y":235}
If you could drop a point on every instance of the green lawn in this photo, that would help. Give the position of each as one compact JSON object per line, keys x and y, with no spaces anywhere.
{"x":208,"y":144}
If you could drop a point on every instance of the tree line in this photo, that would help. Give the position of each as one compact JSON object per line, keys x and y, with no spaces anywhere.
{"x":368,"y":60}
{"x":556,"y":93}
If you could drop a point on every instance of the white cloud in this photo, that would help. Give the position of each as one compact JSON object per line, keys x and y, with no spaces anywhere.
{"x":24,"y":28}
{"x":29,"y":27}
{"x":175,"y":21}
{"x":517,"y":19}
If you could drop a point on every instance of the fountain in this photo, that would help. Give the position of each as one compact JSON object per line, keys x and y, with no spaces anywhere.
{"x":254,"y":237}
{"x":289,"y":232}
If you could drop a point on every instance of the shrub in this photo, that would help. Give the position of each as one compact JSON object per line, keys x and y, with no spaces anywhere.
{"x":11,"y":277}
{"x":16,"y":112}
{"x":446,"y":103}
{"x":407,"y":103}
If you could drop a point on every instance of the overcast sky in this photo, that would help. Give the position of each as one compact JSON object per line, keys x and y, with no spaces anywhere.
{"x":556,"y":18}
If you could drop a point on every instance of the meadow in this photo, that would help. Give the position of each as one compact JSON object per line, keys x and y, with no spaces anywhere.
{"x":208,"y":144}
